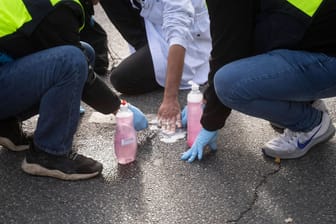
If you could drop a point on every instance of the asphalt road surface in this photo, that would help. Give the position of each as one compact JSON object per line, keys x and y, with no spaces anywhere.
{"x":235,"y":185}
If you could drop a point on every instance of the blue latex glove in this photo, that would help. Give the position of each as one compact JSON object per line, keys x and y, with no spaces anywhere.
{"x":81,"y":110}
{"x":139,"y":119}
{"x":184,"y":117}
{"x":92,"y":21}
{"x":203,"y":138}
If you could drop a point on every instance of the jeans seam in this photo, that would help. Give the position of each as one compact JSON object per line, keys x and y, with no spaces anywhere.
{"x":71,"y":113}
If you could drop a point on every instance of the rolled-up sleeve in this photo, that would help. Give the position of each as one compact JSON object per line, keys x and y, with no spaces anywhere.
{"x":178,"y":18}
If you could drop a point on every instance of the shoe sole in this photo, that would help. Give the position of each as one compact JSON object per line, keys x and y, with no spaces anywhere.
{"x":329,"y":134}
{"x":8,"y":144}
{"x":37,"y":170}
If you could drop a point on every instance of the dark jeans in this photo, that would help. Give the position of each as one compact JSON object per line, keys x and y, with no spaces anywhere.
{"x":279,"y":86}
{"x":51,"y":80}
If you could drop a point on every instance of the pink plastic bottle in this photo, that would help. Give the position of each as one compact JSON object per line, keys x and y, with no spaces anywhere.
{"x":195,"y":110}
{"x":125,"y":138}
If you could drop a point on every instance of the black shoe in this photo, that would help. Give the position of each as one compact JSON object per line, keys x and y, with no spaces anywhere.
{"x":72,"y":166}
{"x":11,"y":135}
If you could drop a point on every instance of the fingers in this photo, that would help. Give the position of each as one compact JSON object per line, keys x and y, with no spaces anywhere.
{"x":186,"y":155}
{"x":199,"y":153}
{"x":178,"y":121}
{"x":167,"y":126}
{"x":169,"y":115}
{"x":192,"y":153}
{"x":189,"y":155}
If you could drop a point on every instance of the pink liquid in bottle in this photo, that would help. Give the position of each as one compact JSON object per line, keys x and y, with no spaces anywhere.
{"x":195,"y":110}
{"x":125,"y":139}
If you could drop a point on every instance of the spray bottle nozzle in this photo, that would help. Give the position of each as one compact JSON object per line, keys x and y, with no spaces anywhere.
{"x":194,"y":86}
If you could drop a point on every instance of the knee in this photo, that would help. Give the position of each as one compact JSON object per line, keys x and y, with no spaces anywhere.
{"x":74,"y":63}
{"x":227,"y":84}
{"x":89,"y":52}
{"x":118,"y":81}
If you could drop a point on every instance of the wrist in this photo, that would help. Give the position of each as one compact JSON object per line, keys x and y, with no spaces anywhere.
{"x":207,"y":131}
{"x":170,"y":97}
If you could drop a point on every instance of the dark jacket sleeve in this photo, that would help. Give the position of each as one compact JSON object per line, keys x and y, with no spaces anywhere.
{"x":61,"y":27}
{"x":232,"y":31}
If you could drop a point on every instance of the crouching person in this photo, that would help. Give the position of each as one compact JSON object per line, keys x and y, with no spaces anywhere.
{"x":46,"y":70}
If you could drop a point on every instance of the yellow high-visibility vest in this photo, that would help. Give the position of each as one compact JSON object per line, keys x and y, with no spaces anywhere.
{"x":20,"y":14}
{"x":309,"y":7}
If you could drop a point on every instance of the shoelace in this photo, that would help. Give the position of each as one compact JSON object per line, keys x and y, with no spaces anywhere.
{"x":288,"y":137}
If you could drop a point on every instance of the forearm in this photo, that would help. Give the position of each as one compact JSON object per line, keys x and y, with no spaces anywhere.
{"x":215,"y":113}
{"x":99,"y":96}
{"x":169,"y":110}
{"x":174,"y":71}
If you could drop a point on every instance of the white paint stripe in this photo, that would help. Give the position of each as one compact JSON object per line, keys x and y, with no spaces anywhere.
{"x":97,"y":117}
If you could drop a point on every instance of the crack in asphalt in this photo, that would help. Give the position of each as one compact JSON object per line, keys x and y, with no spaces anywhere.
{"x":256,"y":196}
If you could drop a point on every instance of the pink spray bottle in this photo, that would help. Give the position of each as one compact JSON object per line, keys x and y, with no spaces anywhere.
{"x":195,"y":110}
{"x":125,"y":138}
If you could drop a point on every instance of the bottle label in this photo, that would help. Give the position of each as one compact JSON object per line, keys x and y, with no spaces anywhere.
{"x":127,"y":141}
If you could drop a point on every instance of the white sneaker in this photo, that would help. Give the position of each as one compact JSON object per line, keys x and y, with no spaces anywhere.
{"x":317,"y":104}
{"x":291,"y":145}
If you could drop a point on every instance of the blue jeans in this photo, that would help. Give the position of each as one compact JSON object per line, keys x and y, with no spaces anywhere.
{"x":89,"y":53}
{"x":278,"y":86}
{"x":48,"y":83}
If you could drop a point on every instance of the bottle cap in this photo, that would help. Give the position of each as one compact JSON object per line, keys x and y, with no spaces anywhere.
{"x":194,"y":86}
{"x":123,"y":102}
{"x":195,"y":95}
{"x":123,"y":106}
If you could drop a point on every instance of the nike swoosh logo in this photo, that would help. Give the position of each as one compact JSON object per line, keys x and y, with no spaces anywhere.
{"x":304,"y":144}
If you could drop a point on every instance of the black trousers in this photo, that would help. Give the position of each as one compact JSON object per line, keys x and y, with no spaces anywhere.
{"x":127,"y":20}
{"x":135,"y":74}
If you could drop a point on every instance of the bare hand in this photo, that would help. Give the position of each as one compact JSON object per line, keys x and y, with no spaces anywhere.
{"x":169,"y":116}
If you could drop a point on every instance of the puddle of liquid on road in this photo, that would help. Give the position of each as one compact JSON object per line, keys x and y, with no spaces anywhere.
{"x":164,"y":136}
